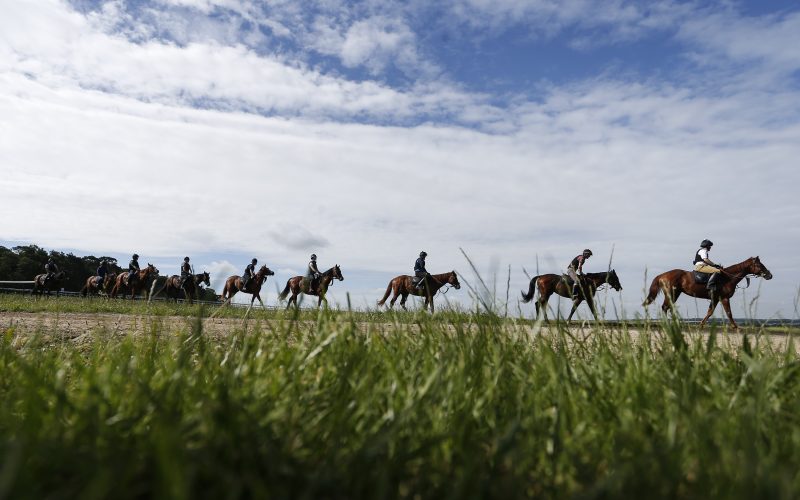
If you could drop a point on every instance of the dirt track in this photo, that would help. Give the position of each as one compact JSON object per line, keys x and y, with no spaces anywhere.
{"x":82,"y":327}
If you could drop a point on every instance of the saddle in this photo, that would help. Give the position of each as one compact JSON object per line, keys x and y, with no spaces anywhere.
{"x":701,"y":278}
{"x":567,"y":279}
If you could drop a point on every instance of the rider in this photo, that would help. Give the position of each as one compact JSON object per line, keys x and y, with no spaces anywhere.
{"x":575,"y":269}
{"x":186,"y":271}
{"x":249,"y":273}
{"x":51,"y":269}
{"x":102,"y":270}
{"x":703,"y":264}
{"x":133,"y":268}
{"x":313,"y":273}
{"x":419,"y":269}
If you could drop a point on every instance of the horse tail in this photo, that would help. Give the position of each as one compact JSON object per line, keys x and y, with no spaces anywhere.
{"x":527,"y":297}
{"x":386,"y":295}
{"x":285,"y":291}
{"x":655,"y":287}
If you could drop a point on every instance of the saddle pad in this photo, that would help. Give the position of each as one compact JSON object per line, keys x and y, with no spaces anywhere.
{"x":701,"y":278}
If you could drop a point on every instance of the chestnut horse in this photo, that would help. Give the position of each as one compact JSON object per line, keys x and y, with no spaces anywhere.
{"x":554,"y":283}
{"x":674,"y":283}
{"x":403,"y":285}
{"x":234,"y":285}
{"x":142,"y":281}
{"x":93,"y":287}
{"x":172,"y":287}
{"x":39,"y":285}
{"x":299,"y":284}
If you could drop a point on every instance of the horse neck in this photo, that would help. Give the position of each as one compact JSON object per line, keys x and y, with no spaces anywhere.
{"x":441,"y":279}
{"x":328,"y":275}
{"x":598,"y":278}
{"x":738,"y":271}
{"x":144,"y":273}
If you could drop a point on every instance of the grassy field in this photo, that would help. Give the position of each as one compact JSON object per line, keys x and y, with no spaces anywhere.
{"x":334,"y":404}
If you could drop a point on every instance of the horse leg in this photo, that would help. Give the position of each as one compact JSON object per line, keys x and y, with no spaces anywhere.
{"x":711,"y":308}
{"x":403,"y":301}
{"x":575,"y":304}
{"x":590,"y":303}
{"x":669,"y":299}
{"x":394,"y":298}
{"x":726,"y":304}
{"x":258,"y":295}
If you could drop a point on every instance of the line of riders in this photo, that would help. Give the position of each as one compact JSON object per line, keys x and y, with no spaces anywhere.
{"x":708,"y":280}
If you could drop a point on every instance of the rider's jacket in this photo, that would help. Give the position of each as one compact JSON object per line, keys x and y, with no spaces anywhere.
{"x":133,"y":265}
{"x":102,"y":270}
{"x":51,"y":267}
{"x":577,"y":262}
{"x":313,"y":270}
{"x":700,"y":256}
{"x":419,"y":266}
{"x":186,"y":268}
{"x":249,"y":271}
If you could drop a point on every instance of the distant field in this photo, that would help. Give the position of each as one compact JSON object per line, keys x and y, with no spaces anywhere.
{"x":120,"y":399}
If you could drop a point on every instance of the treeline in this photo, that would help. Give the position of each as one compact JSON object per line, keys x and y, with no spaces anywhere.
{"x":22,"y":263}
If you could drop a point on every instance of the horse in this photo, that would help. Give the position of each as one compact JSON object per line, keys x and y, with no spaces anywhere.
{"x":39,"y":285}
{"x":141,"y":283}
{"x":94,"y":288}
{"x":172,"y":287}
{"x":678,"y":281}
{"x":554,"y":283}
{"x":234,"y":285}
{"x":300,"y":284}
{"x":403,"y":285}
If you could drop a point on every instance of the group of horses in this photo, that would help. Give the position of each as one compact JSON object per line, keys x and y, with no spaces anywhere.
{"x":673,"y":283}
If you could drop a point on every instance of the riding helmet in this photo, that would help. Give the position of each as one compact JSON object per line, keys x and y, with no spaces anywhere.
{"x":587,"y":252}
{"x":135,"y":256}
{"x":254,"y":261}
{"x":706,"y":244}
{"x":313,"y":256}
{"x":423,"y":254}
{"x":186,"y":259}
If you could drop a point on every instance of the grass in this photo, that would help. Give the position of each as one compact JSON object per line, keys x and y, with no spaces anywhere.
{"x":462,"y":405}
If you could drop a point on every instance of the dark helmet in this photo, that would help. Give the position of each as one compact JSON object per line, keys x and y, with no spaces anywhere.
{"x":587,"y":252}
{"x":313,"y":256}
{"x":186,"y":259}
{"x":135,"y":256}
{"x":423,"y":254}
{"x":254,"y":261}
{"x":706,"y":244}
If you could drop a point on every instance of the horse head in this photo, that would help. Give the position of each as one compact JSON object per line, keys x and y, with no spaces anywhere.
{"x":613,"y":280}
{"x":453,"y":280}
{"x":204,"y":278}
{"x":151,"y":269}
{"x":337,"y":272}
{"x":756,"y":267}
{"x":265,"y":271}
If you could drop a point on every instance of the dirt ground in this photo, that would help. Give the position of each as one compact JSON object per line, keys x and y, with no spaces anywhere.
{"x":81,"y":328}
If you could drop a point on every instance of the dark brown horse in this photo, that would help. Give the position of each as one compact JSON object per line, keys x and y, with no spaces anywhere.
{"x":172,"y":287}
{"x":40,"y":286}
{"x":140,"y":284}
{"x":301,"y":284}
{"x":554,"y":283}
{"x":94,"y":287}
{"x":674,"y":283}
{"x":234,"y":285}
{"x":403,"y":285}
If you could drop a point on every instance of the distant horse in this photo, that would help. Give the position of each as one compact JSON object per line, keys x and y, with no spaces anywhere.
{"x":39,"y":285}
{"x":299,"y":284}
{"x":172,"y":287}
{"x":234,"y":285}
{"x":403,"y":285}
{"x":678,"y":281}
{"x":141,"y":283}
{"x":93,"y":287}
{"x":554,"y":283}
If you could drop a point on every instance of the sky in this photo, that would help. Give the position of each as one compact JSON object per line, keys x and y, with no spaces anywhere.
{"x":519,"y":132}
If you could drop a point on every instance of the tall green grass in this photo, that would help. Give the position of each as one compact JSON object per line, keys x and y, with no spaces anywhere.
{"x":424,"y":408}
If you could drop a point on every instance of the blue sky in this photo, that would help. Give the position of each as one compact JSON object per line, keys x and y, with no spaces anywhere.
{"x":366,"y":131}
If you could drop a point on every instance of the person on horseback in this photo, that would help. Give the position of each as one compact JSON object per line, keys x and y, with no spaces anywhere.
{"x":702,"y":264}
{"x":249,"y":273}
{"x":102,"y":270}
{"x":420,"y":273}
{"x":186,"y":271}
{"x":51,"y":269}
{"x":313,"y":273}
{"x":133,"y":268}
{"x":575,"y":270}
